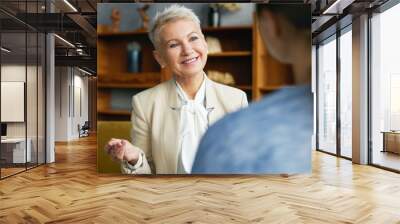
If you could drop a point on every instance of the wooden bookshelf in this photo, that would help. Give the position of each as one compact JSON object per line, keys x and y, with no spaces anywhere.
{"x":121,"y":34}
{"x":125,"y":85}
{"x":243,"y":87}
{"x":268,"y":73}
{"x":114,"y":80}
{"x":115,"y":112}
{"x":129,"y":80}
{"x":231,"y":54}
{"x":227,"y":29}
{"x":114,"y":115}
{"x":269,"y":88}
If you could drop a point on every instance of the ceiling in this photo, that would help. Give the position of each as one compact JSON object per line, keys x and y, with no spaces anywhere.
{"x":79,"y":27}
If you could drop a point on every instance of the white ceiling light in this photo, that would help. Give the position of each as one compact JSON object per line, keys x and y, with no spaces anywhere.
{"x":70,"y":5}
{"x":5,"y":49}
{"x":65,"y":41}
{"x":84,"y":71}
{"x":79,"y":51}
{"x":337,"y":7}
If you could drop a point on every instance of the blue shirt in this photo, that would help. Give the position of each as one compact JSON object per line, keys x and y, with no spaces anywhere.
{"x":272,"y":136}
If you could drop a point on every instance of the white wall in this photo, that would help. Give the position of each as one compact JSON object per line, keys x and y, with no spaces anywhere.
{"x":70,"y":83}
{"x":13,"y":73}
{"x":61,"y":103}
{"x":33,"y":127}
{"x":81,"y":82}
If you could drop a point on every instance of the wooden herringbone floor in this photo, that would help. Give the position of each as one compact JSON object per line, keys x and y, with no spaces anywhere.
{"x":70,"y":191}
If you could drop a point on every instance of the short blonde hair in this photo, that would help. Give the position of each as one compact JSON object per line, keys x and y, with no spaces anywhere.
{"x":170,"y":14}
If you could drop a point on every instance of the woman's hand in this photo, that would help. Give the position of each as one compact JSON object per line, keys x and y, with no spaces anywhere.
{"x":121,"y":149}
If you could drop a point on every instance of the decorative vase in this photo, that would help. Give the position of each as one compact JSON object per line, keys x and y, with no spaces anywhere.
{"x":134,"y":57}
{"x":214,"y":17}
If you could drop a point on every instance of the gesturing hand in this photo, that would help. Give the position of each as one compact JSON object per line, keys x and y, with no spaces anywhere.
{"x":121,"y":149}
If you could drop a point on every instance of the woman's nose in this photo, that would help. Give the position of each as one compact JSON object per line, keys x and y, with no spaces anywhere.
{"x":187,"y":49}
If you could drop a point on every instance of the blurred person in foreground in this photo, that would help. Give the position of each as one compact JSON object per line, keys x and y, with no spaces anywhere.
{"x":272,"y":136}
{"x":169,"y":120}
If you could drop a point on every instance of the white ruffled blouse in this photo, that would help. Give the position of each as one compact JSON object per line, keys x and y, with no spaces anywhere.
{"x":193,"y":124}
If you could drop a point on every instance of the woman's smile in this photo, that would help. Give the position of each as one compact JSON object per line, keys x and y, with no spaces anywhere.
{"x":190,"y":61}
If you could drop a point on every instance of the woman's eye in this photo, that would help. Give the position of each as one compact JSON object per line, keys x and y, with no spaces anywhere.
{"x":172,"y":45}
{"x":193,"y":38}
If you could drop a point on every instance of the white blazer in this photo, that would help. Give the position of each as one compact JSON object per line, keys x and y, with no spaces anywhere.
{"x":155,"y":123}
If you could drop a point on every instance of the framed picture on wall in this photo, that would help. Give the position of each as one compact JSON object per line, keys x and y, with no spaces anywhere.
{"x":12,"y":101}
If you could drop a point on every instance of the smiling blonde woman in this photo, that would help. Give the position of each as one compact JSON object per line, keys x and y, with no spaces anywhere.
{"x":169,"y":119}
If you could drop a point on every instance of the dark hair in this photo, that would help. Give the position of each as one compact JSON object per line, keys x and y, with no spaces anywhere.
{"x":297,"y":14}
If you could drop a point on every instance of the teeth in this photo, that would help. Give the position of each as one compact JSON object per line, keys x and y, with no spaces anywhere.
{"x":190,"y":60}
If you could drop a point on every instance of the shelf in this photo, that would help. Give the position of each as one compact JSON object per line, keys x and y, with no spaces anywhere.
{"x":231,"y":54}
{"x":129,"y":80}
{"x":129,"y":73}
{"x":226,"y":28}
{"x":126,"y":85}
{"x":145,"y":32}
{"x":244,"y":87}
{"x":114,"y":112}
{"x":270,"y":88}
{"x":122,"y":34}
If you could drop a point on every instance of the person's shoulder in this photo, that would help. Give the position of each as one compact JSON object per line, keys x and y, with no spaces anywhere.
{"x":269,"y":110}
{"x":228,"y":90}
{"x":151,"y":94}
{"x":232,"y":131}
{"x":236,"y":122}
